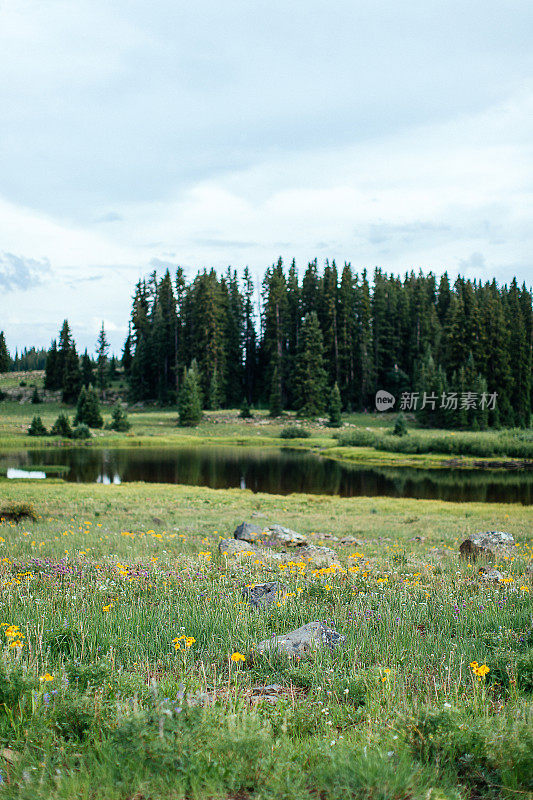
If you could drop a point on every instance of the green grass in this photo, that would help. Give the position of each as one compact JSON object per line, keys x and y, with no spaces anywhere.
{"x":395,"y":713}
{"x":514,"y":443}
{"x":158,"y":427}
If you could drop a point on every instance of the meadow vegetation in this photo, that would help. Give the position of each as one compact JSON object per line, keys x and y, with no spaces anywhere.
{"x":120,"y":619}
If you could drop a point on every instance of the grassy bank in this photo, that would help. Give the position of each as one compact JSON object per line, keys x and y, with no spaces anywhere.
{"x":364,"y":437}
{"x":107,"y":576}
{"x":515,"y":443}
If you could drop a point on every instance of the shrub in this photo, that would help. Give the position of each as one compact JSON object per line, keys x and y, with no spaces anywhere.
{"x":294,"y":432}
{"x":245,"y":410}
{"x":61,"y":427}
{"x":119,"y":420}
{"x":37,"y":428}
{"x":18,"y":511}
{"x":81,"y":432}
{"x":400,"y":426}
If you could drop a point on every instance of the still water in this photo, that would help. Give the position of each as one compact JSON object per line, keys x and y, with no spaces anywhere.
{"x":269,"y":470}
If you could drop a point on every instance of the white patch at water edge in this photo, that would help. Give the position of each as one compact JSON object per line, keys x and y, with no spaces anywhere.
{"x":23,"y":473}
{"x":107,"y":480}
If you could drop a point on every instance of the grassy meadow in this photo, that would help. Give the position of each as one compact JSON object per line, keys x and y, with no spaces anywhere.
{"x":99,"y":702}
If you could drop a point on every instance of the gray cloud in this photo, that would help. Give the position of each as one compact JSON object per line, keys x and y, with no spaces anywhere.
{"x":476,"y":262}
{"x":17,"y":272}
{"x":111,"y":216}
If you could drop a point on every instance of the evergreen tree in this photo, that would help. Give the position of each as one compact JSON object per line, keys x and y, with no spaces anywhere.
{"x":119,"y":419}
{"x":275,"y":402}
{"x":88,"y":409}
{"x":5,"y":360}
{"x":400,"y":425}
{"x":35,"y":398}
{"x":347,"y":338}
{"x":126,"y":353}
{"x":311,"y":374}
{"x":37,"y":428}
{"x":87,"y":370}
{"x":335,"y":420}
{"x":245,"y":412}
{"x":71,"y":376}
{"x":275,"y":324}
{"x":233,"y":340}
{"x":102,"y":366}
{"x":52,"y":377}
{"x":250,"y":338}
{"x":61,"y":427}
{"x":189,"y":401}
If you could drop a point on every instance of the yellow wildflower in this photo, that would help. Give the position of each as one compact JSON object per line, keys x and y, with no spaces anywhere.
{"x":237,"y":657}
{"x":46,"y":678}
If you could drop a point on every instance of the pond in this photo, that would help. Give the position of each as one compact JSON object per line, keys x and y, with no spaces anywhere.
{"x":270,"y":470}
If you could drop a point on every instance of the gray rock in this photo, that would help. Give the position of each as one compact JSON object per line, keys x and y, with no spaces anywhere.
{"x":233,"y":547}
{"x":262,"y":595}
{"x":349,"y":540}
{"x":490,"y":575}
{"x":249,"y":532}
{"x":313,"y":556}
{"x":488,"y":545}
{"x":270,"y":535}
{"x":278,"y":535}
{"x":295,"y":643}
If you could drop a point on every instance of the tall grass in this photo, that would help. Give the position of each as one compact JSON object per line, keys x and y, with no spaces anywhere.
{"x":515,"y":443}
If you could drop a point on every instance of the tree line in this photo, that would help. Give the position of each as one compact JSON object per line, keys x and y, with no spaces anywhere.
{"x":295,"y":340}
{"x":300,"y":338}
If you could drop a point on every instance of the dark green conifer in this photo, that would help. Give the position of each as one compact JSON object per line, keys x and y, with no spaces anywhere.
{"x":311,"y":375}
{"x":61,"y":427}
{"x":102,"y":364}
{"x":335,"y":420}
{"x":119,"y":419}
{"x":87,"y":369}
{"x":400,"y":425}
{"x":275,"y":404}
{"x":5,"y":360}
{"x":189,"y":399}
{"x":245,"y":412}
{"x":88,"y":409}
{"x":37,"y":428}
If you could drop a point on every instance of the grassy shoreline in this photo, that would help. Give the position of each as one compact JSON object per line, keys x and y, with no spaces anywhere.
{"x":158,"y":428}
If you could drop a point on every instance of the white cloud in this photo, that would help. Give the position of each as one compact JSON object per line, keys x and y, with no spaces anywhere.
{"x":137,"y":137}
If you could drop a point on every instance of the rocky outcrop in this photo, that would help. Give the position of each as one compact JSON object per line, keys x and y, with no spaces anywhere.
{"x":295,"y":643}
{"x":262,"y":595}
{"x":488,"y":545}
{"x":269,"y":536}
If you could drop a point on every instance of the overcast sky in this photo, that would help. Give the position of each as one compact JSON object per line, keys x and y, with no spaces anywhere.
{"x":136,"y":134}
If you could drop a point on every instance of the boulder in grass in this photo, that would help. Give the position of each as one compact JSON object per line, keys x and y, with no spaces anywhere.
{"x":234,"y":547}
{"x":284,"y":537}
{"x":317,"y":557}
{"x":269,"y":535}
{"x":262,"y":595}
{"x":488,"y":545}
{"x":249,"y":532}
{"x":490,"y":575}
{"x":295,"y":643}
